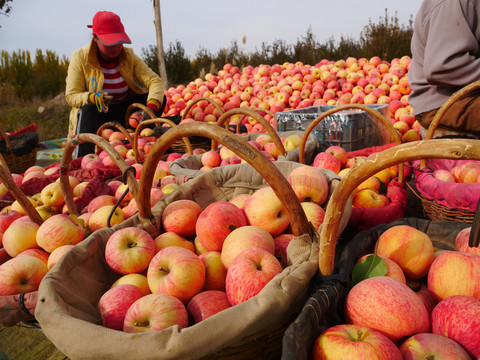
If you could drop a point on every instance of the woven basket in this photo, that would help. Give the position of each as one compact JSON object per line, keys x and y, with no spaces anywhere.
{"x":17,"y":161}
{"x":432,"y":208}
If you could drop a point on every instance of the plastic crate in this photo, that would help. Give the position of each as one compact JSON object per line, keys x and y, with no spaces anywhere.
{"x":352,"y":129}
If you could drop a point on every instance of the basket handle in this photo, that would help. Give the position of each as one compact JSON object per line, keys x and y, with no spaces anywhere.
{"x":445,"y":106}
{"x":241,"y":147}
{"x":119,"y":127}
{"x":376,"y":113}
{"x":415,"y":150}
{"x":139,"y":128}
{"x":3,"y":133}
{"x":268,"y":112}
{"x":7,"y":179}
{"x":67,"y":158}
{"x":133,"y":106}
{"x":254,"y":114}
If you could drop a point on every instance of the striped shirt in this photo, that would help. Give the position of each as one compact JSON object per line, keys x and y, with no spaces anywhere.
{"x":114,"y":84}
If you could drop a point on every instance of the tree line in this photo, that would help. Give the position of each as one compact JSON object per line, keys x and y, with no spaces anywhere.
{"x":23,"y":78}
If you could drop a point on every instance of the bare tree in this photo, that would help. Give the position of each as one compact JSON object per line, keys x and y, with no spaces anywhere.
{"x":160,"y":53}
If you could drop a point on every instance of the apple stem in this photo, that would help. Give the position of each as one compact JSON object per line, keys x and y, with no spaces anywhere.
{"x":142,"y":324}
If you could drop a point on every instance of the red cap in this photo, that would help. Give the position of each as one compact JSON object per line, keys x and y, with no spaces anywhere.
{"x":109,"y":29}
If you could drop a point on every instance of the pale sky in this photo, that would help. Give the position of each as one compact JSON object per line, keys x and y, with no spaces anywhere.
{"x":61,"y":25}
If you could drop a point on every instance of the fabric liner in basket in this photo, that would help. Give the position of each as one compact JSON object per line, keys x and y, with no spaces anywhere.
{"x":69,"y":293}
{"x":453,"y":195}
{"x":324,"y":308}
{"x":189,"y":167}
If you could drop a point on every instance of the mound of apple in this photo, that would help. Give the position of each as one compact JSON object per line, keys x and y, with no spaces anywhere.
{"x":465,"y":172}
{"x":409,"y":301}
{"x":204,"y":260}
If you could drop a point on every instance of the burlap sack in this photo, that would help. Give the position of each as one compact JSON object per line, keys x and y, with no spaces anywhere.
{"x":68,"y":295}
{"x":189,"y":167}
{"x":324,"y":308}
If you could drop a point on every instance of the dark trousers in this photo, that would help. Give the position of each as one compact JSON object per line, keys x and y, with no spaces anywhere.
{"x":90,"y":120}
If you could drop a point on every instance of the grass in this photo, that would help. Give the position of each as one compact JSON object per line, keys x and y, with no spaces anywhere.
{"x":52,"y":121}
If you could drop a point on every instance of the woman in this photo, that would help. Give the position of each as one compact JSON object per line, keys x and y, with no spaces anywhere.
{"x":104,"y":78}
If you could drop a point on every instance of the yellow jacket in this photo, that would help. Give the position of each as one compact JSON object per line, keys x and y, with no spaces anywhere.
{"x":84,"y":65}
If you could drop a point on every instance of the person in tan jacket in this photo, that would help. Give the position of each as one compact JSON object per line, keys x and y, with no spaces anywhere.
{"x":104,"y":78}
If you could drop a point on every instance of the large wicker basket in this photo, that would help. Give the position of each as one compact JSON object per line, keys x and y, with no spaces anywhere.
{"x":20,"y":151}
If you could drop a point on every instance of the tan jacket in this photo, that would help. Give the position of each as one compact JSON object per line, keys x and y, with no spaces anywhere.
{"x":84,"y":65}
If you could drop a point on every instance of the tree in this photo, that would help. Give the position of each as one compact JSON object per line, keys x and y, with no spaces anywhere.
{"x":5,"y":7}
{"x":160,"y":53}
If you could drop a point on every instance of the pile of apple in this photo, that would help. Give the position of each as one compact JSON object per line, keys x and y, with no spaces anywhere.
{"x":370,"y":193}
{"x":465,"y":172}
{"x":290,"y":86}
{"x":204,"y":260}
{"x":425,"y":303}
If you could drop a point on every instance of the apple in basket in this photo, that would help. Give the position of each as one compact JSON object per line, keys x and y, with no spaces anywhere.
{"x":467,"y":172}
{"x":409,"y":247}
{"x":207,"y":303}
{"x":114,"y":304}
{"x":59,"y":230}
{"x":393,"y":269}
{"x":458,"y":318}
{"x":99,"y":218}
{"x":215,"y":272}
{"x":176,"y":271}
{"x":181,"y":216}
{"x":327,"y":161}
{"x":264,"y":209}
{"x":292,"y":142}
{"x":217,"y":221}
{"x":129,"y":250}
{"x":248,"y":274}
{"x":461,"y":242}
{"x":386,"y":305}
{"x":211,"y":158}
{"x":340,"y":153}
{"x":6,"y":219}
{"x":169,"y":238}
{"x":88,"y":158}
{"x":369,"y":198}
{"x":314,"y":212}
{"x":348,"y":341}
{"x":57,"y":254}
{"x":155,"y":312}
{"x":432,"y":346}
{"x":139,"y":280}
{"x":52,"y":195}
{"x":20,"y":236}
{"x":226,"y":153}
{"x":21,"y":274}
{"x":99,"y":201}
{"x":454,"y":273}
{"x":443,"y":175}
{"x":309,"y":184}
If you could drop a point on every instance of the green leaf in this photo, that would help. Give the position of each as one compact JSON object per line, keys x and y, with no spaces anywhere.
{"x":383,"y":188}
{"x":372,"y":266}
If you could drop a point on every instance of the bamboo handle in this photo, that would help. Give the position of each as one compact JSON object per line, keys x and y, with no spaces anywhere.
{"x":67,"y":158}
{"x":132,"y":107}
{"x":415,"y":150}
{"x":366,"y":108}
{"x":117,"y":126}
{"x":446,"y":105}
{"x":138,"y":158}
{"x":241,"y":147}
{"x":254,"y":114}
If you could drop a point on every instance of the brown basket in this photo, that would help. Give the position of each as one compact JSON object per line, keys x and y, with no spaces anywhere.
{"x":17,"y":164}
{"x":134,"y":106}
{"x":416,"y":150}
{"x":433,"y":209}
{"x":117,"y":126}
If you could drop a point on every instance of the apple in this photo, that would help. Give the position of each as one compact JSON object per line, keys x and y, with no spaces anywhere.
{"x":87,"y":158}
{"x":432,"y":346}
{"x":99,"y":218}
{"x":339,"y":152}
{"x":46,"y":212}
{"x":226,"y":153}
{"x":20,"y":236}
{"x":181,"y":216}
{"x":215,"y":272}
{"x":114,"y":304}
{"x":121,"y":190}
{"x":176,"y":271}
{"x":466,"y":172}
{"x":129,"y":250}
{"x":139,"y":280}
{"x":33,"y":175}
{"x":264,"y":209}
{"x":443,"y":175}
{"x":57,"y":254}
{"x":409,"y":247}
{"x":155,"y":312}
{"x":424,"y":294}
{"x":217,"y":221}
{"x":21,"y":275}
{"x":372,"y":183}
{"x":169,"y":238}
{"x":78,"y":190}
{"x":211,"y":158}
{"x":393,"y":269}
{"x":292,"y":142}
{"x":249,"y":272}
{"x":99,"y":201}
{"x":454,"y":273}
{"x":52,"y":195}
{"x":458,"y":317}
{"x":207,"y":303}
{"x":326,"y":160}
{"x":314,"y":212}
{"x":348,"y":341}
{"x":281,"y":243}
{"x":461,"y":242}
{"x":6,"y":219}
{"x":240,"y":200}
{"x":387,"y":305}
{"x":39,"y":253}
{"x":369,"y":198}
{"x":309,"y":184}
{"x":59,"y":230}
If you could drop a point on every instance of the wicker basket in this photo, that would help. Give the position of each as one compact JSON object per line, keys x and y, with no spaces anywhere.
{"x":431,"y":207}
{"x":18,"y":160}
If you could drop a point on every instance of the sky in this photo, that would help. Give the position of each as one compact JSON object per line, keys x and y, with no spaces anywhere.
{"x":61,"y":25}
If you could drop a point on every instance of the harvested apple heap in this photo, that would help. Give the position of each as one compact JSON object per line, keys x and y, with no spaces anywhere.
{"x":466,"y":172}
{"x":410,"y":301}
{"x":204,"y":261}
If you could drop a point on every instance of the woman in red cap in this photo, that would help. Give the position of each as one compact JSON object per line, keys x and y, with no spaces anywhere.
{"x":104,"y":78}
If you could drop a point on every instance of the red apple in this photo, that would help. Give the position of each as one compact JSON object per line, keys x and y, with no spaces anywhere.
{"x":339,"y":152}
{"x":327,"y":161}
{"x":129,"y":250}
{"x":207,"y":303}
{"x":181,"y":216}
{"x":99,"y":218}
{"x":20,"y":236}
{"x":169,"y":238}
{"x":57,"y":254}
{"x":432,"y":346}
{"x":314,"y":212}
{"x":461,"y":242}
{"x":21,"y":274}
{"x":155,"y":312}
{"x":248,"y":274}
{"x":369,"y":198}
{"x":114,"y":304}
{"x":6,"y":219}
{"x":386,"y":305}
{"x":458,"y":317}
{"x":309,"y":184}
{"x":139,"y":280}
{"x":347,"y":341}
{"x":215,"y":272}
